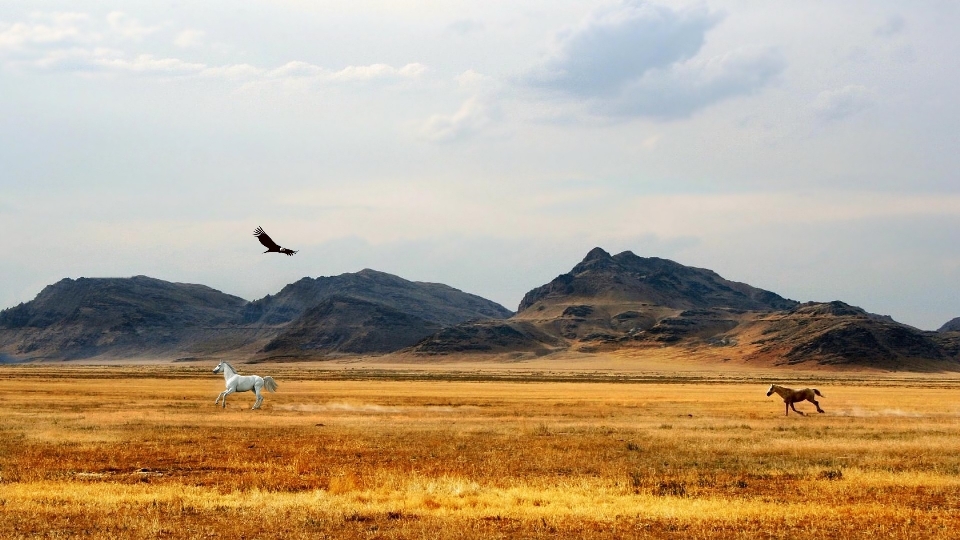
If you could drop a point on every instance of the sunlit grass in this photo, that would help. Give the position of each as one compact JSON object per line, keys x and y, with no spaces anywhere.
{"x":144,"y":455}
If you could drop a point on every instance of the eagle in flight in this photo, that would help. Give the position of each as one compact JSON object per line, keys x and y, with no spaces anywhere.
{"x":271,"y":246}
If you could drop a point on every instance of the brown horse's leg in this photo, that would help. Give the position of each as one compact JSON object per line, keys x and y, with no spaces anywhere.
{"x":795,"y":409}
{"x":815,"y":402}
{"x":786,"y":408}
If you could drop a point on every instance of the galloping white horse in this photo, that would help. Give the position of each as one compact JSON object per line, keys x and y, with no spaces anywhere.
{"x":242,"y":383}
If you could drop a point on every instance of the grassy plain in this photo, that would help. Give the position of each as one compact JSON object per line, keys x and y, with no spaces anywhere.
{"x":141,"y":452}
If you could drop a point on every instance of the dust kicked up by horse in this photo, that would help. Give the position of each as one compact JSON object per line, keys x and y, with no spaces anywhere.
{"x":242,"y":383}
{"x":791,"y":396}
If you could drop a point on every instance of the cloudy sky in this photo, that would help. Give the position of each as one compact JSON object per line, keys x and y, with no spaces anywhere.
{"x":809,"y":148}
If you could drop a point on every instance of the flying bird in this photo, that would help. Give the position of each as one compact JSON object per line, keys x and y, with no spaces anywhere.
{"x":271,"y":246}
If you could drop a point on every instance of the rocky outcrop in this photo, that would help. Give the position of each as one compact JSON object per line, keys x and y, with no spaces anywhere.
{"x":626,"y":277}
{"x":119,"y":316}
{"x":835,"y":333}
{"x":341,"y":324}
{"x":434,"y":302}
{"x":489,"y":336}
{"x":953,"y":325}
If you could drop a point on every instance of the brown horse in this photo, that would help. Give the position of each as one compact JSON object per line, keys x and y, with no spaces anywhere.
{"x":791,"y":396}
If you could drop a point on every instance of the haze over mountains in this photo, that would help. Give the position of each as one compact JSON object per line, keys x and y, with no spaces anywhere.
{"x":620,"y":302}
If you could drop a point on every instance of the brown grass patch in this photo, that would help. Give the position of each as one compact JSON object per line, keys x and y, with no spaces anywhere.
{"x":136,"y":453}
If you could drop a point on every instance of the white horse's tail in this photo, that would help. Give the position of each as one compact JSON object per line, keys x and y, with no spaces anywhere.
{"x":270,"y":384}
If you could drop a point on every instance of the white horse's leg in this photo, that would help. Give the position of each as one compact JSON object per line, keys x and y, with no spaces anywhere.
{"x":256,"y":390}
{"x":226,"y":393}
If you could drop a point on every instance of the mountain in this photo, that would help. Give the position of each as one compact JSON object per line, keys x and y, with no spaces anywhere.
{"x":620,"y":303}
{"x":835,"y":333}
{"x":624,"y":302}
{"x":92,"y":316}
{"x":343,"y":324}
{"x":433,"y":302}
{"x":611,"y":302}
{"x":626,"y":277}
{"x":953,"y":325}
{"x":519,"y":338}
{"x":364,"y":312}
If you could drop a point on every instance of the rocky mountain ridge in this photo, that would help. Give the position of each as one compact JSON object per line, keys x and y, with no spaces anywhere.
{"x":142,"y":316}
{"x":606,"y":303}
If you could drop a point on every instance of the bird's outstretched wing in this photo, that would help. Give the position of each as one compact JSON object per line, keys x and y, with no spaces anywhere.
{"x":265,"y":240}
{"x":288,"y":252}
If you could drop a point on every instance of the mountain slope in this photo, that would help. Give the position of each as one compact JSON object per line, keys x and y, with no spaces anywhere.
{"x":92,"y":316}
{"x":626,"y":277}
{"x":835,"y":333}
{"x":953,"y":325}
{"x":433,"y":302}
{"x":623,"y":302}
{"x":342,"y":324}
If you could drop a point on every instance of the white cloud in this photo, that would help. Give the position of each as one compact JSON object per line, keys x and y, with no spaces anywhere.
{"x":471,"y":78}
{"x":638,"y":59}
{"x":189,"y":38}
{"x":685,"y":88}
{"x":233,"y":72}
{"x":47,"y":29}
{"x":62,"y":42}
{"x":128,"y":27}
{"x":377,"y":71}
{"x":840,"y":103}
{"x":472,"y":116}
{"x":146,"y":63}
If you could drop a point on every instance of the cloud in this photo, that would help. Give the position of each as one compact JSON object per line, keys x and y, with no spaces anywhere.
{"x":68,"y":42}
{"x":463,"y":27}
{"x":47,"y":29}
{"x":893,"y":26}
{"x":377,"y":71}
{"x":639,"y":59}
{"x":472,"y":116}
{"x":128,"y":27}
{"x":685,"y":88}
{"x":837,"y":104}
{"x":189,"y":38}
{"x":471,"y":78}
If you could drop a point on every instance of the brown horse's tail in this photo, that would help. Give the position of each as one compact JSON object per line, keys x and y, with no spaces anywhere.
{"x":817,"y":392}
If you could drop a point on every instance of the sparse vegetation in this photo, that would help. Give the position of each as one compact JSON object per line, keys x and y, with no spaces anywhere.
{"x":146,"y":454}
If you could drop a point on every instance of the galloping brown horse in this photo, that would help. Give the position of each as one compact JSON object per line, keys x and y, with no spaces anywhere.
{"x":791,"y":396}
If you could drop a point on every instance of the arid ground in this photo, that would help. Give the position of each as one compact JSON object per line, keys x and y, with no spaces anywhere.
{"x":142,"y":452}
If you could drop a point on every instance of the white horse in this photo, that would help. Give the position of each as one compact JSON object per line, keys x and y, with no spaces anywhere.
{"x":242,"y":383}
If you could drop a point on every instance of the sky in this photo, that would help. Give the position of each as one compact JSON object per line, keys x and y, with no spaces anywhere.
{"x":808,"y":148}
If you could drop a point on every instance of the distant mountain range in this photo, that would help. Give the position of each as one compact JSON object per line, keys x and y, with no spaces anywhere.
{"x":359,"y":313}
{"x":605,"y":303}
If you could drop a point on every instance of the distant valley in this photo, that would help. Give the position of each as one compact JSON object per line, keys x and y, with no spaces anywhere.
{"x":607,"y":303}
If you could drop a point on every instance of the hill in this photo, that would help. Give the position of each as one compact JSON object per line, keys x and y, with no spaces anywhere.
{"x":835,"y":333}
{"x":627,"y":278}
{"x":607,"y":303}
{"x":625,"y":302}
{"x":433,"y":302}
{"x":117,"y":316}
{"x":343,"y":324}
{"x":953,"y":325}
{"x":147,"y":317}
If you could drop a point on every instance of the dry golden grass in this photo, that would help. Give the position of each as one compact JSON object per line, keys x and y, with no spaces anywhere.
{"x":142,"y":452}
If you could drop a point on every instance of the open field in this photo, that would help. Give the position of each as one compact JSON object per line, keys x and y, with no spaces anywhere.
{"x":141,"y":452}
